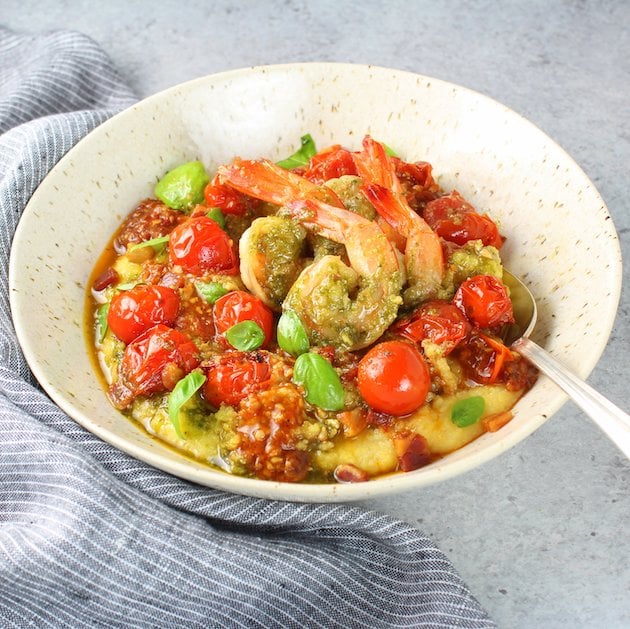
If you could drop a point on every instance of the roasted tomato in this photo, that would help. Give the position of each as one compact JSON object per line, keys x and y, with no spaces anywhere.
{"x":228,"y":200}
{"x":456,"y":220}
{"x":393,"y":378}
{"x":484,"y":300}
{"x":238,"y":306}
{"x":234,"y":375}
{"x":133,"y":311}
{"x":330,"y":163}
{"x":152,"y":363}
{"x":417,"y":182}
{"x":438,"y":321}
{"x":483,"y":358}
{"x":150,"y":219}
{"x":199,"y":245}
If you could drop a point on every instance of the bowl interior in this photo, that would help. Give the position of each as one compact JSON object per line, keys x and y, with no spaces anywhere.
{"x":559,"y":236}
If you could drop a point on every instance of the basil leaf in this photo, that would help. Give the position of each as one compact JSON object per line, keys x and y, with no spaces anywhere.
{"x":390,"y":151}
{"x":216,"y":215}
{"x":320,"y":381}
{"x":183,"y":391}
{"x":246,"y":335}
{"x":467,"y":411}
{"x":128,"y":285}
{"x":210,"y":291}
{"x":182,"y":187}
{"x":292,"y":336}
{"x":302,"y":156}
{"x":101,"y":319}
{"x":157,"y":243}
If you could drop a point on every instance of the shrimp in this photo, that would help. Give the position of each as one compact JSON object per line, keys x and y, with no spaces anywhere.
{"x":341,"y":305}
{"x":264,"y":180}
{"x":270,"y":252}
{"x":424,"y":260}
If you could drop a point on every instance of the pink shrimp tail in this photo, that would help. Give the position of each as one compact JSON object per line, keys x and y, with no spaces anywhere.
{"x":264,"y":180}
{"x":396,"y":212}
{"x":375,"y":166}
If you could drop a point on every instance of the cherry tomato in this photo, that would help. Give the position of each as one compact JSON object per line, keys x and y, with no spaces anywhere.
{"x":153,"y":362}
{"x":228,"y":200}
{"x":417,"y":182}
{"x":456,"y":220}
{"x":199,"y":245}
{"x":483,"y":358}
{"x":484,"y":300}
{"x":439,"y":321}
{"x":238,"y":306}
{"x":330,"y":163}
{"x":393,"y":378}
{"x":133,"y":311}
{"x":234,"y":375}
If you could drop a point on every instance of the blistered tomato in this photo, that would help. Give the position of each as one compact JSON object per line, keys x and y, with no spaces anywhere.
{"x":199,"y":245}
{"x":393,"y":378}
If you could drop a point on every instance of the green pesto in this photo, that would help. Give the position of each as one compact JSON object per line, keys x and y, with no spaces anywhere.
{"x":340,"y":307}
{"x":279,"y":244}
{"x":348,"y":190}
{"x":472,"y":259}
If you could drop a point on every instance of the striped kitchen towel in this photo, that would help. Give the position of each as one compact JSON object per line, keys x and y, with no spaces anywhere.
{"x":92,"y":537}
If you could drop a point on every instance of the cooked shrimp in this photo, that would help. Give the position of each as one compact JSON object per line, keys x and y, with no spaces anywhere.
{"x":346,"y":306}
{"x":264,"y":180}
{"x":424,"y":260}
{"x":271,"y":259}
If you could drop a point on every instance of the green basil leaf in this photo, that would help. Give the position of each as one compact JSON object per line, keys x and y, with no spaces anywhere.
{"x":183,"y":391}
{"x":182,"y":188}
{"x":158,"y":244}
{"x":210,"y":291}
{"x":128,"y":285}
{"x":292,"y":335}
{"x":302,"y":156}
{"x":101,"y":319}
{"x":389,"y":150}
{"x":320,"y":381}
{"x":468,"y":411}
{"x":246,"y":335}
{"x":216,"y":215}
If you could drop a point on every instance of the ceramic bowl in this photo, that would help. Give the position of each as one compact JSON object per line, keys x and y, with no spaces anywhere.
{"x":559,"y":236}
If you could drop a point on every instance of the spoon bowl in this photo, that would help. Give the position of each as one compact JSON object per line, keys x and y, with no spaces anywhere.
{"x":610,"y":418}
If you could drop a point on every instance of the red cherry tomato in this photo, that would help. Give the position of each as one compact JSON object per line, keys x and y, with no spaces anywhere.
{"x":228,"y":200}
{"x":417,"y":182}
{"x":330,"y":163}
{"x":199,"y":245}
{"x":393,"y":378}
{"x":484,"y":300}
{"x":133,"y":311}
{"x":238,"y":306}
{"x":483,"y":358}
{"x":455,"y":220}
{"x":439,"y":321}
{"x":234,"y":375}
{"x":152,"y":363}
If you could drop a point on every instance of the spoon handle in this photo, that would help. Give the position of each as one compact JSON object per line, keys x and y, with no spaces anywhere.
{"x":611,"y":419}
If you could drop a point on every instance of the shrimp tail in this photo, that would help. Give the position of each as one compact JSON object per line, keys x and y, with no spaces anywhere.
{"x":374,"y":164}
{"x":397,"y":214}
{"x":264,"y":180}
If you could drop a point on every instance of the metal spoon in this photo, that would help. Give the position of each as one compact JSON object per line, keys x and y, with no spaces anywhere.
{"x":611,"y":419}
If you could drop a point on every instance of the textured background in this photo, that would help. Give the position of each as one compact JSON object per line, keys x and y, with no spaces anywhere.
{"x":540,"y":534}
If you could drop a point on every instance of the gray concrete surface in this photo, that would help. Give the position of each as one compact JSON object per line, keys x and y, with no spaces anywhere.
{"x":540,"y":534}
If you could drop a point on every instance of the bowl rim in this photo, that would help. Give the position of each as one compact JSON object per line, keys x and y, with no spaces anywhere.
{"x":185,"y":467}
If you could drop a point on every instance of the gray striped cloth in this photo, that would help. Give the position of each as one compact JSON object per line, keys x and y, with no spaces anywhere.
{"x":92,"y":537}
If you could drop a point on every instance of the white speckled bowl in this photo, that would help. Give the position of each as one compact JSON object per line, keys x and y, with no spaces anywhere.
{"x":560,"y":238}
